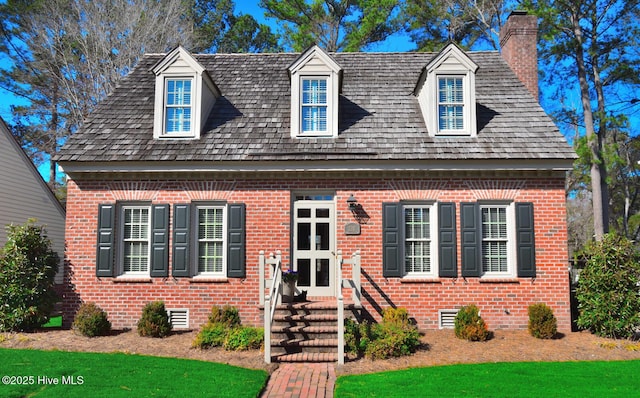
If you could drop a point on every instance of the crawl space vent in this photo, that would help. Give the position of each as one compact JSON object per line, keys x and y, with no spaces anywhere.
{"x":447,"y":318}
{"x":179,"y":318}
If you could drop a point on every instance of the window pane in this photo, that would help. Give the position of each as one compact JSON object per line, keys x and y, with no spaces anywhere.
{"x":418,"y":239}
{"x":314,"y":91}
{"x":210,"y":239}
{"x":314,"y":118}
{"x":450,"y":103}
{"x":494,"y":239}
{"x":178,"y":106}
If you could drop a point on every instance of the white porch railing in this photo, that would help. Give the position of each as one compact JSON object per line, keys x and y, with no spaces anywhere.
{"x":356,"y":294}
{"x":271,"y":300}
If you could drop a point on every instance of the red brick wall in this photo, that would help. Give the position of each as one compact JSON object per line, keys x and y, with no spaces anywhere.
{"x":503,"y":304}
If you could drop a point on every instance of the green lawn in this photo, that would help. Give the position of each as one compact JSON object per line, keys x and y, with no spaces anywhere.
{"x":81,"y":374}
{"x":519,"y":379}
{"x":55,"y":322}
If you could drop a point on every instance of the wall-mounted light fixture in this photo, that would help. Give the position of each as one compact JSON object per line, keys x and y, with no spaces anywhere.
{"x":353,"y":203}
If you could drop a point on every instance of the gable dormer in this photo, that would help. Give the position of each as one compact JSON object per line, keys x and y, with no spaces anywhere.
{"x":446,"y":92}
{"x":315,"y":87}
{"x":184,"y":96}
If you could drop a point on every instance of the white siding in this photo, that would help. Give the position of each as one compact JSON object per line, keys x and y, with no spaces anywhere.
{"x":24,"y":195}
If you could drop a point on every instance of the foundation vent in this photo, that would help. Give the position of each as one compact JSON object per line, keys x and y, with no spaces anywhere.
{"x":446,"y":318}
{"x":179,"y":318}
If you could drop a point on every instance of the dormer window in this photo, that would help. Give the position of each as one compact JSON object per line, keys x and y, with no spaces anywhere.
{"x":314,"y":106}
{"x":315,"y":85}
{"x":178,"y":106}
{"x":450,"y":104}
{"x":446,"y":93}
{"x":185,"y":95}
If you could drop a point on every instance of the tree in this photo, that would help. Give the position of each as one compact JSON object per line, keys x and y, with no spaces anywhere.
{"x":335,"y":25}
{"x":590,"y":44}
{"x":218,"y":29}
{"x":27,"y":269}
{"x":67,"y":55}
{"x":433,"y":23}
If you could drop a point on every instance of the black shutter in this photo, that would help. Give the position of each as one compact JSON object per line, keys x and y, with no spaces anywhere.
{"x":181,"y":238}
{"x":160,"y":240}
{"x":236,"y":267}
{"x":392,"y":248}
{"x":471,"y":242}
{"x":525,"y":240}
{"x":106,"y":240}
{"x":447,"y":257}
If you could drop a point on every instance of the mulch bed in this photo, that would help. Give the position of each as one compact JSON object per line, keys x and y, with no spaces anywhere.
{"x":440,"y":347}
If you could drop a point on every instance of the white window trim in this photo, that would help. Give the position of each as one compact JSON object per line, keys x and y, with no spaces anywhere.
{"x":433,"y":230}
{"x":121,"y":242}
{"x":160,"y":128}
{"x":196,"y":249}
{"x":511,"y":242}
{"x":332,"y":107}
{"x":466,"y":119}
{"x":301,"y":105}
{"x":165,"y":106}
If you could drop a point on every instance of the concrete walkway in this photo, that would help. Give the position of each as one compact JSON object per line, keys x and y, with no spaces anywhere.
{"x":301,"y":380}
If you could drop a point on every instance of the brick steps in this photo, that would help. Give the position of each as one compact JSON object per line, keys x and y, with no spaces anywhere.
{"x":306,"y":332}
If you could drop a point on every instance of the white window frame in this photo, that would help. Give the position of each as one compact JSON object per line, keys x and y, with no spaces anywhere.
{"x":463,"y":104}
{"x":198,"y":240}
{"x":433,"y":240}
{"x":510,"y":241}
{"x":123,"y":241}
{"x":330,"y":106}
{"x":318,"y":105}
{"x":167,"y":106}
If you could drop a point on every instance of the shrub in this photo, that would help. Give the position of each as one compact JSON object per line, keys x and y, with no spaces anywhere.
{"x":211,"y":335}
{"x":91,"y":321}
{"x":244,"y":338}
{"x":469,"y":325}
{"x":27,"y":270}
{"x":542,"y":323}
{"x":607,"y":290}
{"x":394,"y":336}
{"x":227,"y":315}
{"x":224,"y":330}
{"x":154,"y":321}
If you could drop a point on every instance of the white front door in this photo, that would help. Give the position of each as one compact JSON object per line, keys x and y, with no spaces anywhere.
{"x":314,"y":246}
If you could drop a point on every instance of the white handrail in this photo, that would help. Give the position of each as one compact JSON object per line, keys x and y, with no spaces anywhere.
{"x":272,"y":298}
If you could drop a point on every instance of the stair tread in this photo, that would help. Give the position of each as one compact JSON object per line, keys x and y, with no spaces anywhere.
{"x":306,"y":357}
{"x":305,"y":317}
{"x":305,"y":328}
{"x":306,"y":342}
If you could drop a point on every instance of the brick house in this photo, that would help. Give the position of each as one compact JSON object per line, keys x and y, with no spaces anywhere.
{"x":440,"y":169}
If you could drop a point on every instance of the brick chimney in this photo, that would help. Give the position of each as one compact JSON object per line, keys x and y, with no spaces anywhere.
{"x":518,"y":40}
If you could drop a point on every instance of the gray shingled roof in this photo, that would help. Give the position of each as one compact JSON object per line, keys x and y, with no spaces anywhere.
{"x":379,"y":117}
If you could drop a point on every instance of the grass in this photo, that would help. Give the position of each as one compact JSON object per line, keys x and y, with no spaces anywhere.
{"x":120,"y":375}
{"x":518,"y":379}
{"x":54,"y":322}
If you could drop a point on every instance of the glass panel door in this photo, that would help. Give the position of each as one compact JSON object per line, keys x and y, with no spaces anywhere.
{"x":314,"y":245}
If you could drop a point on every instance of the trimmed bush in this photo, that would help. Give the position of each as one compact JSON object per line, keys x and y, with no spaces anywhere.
{"x":225,"y":330}
{"x":244,"y":338}
{"x":542,"y":323}
{"x":607,"y":291}
{"x":211,"y":335}
{"x":154,"y":321}
{"x":470,"y":326}
{"x":27,"y":269}
{"x":91,"y":321}
{"x":395,"y":336}
{"x":226,"y":315}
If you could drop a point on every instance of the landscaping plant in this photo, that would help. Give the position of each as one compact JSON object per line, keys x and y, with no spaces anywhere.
{"x":542,"y":323}
{"x":607,"y":292}
{"x":91,"y":321}
{"x":395,"y":336}
{"x":224,"y":329}
{"x":27,"y":270}
{"x":154,"y":321}
{"x":469,"y":325}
